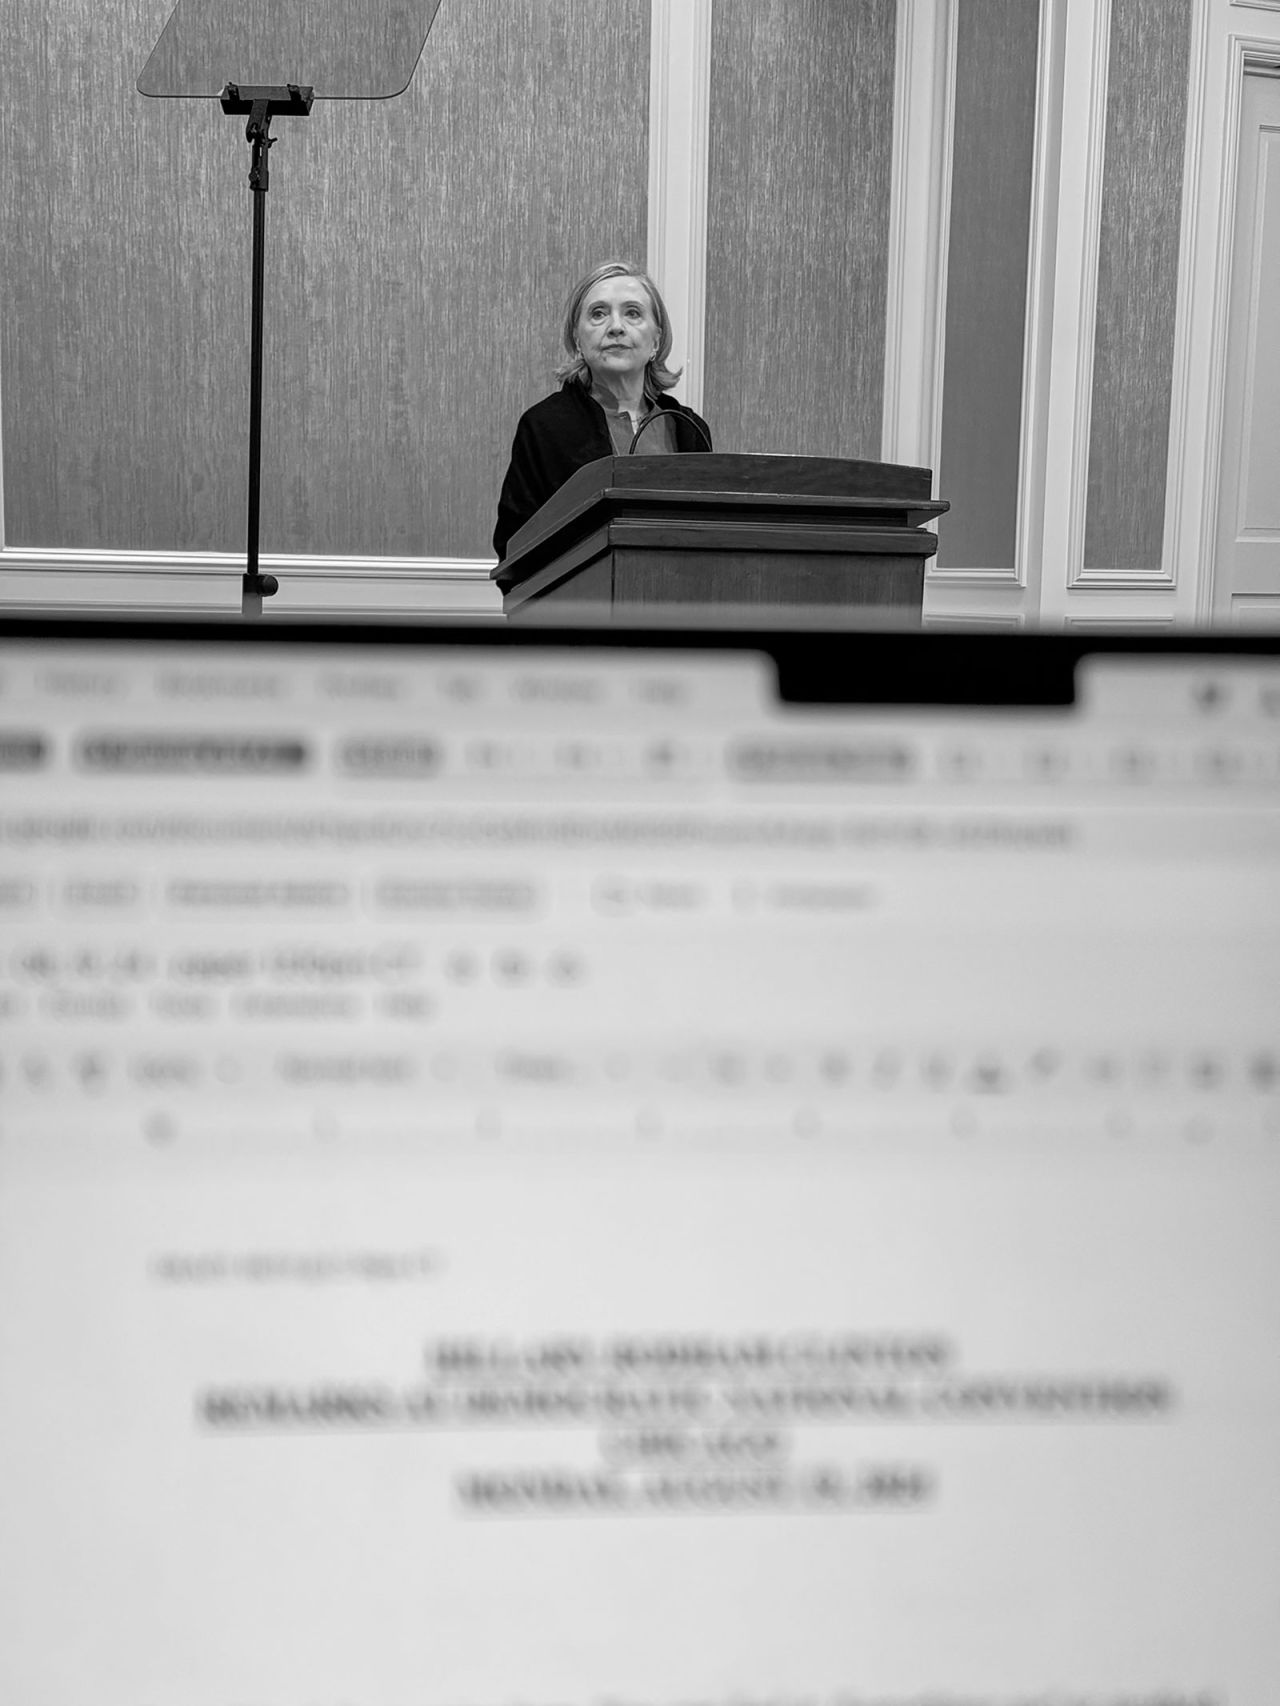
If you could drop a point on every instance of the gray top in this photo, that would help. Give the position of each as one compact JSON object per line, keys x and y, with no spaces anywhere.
{"x":658,"y":438}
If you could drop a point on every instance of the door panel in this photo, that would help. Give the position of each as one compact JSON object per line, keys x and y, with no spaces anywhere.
{"x":1247,"y":566}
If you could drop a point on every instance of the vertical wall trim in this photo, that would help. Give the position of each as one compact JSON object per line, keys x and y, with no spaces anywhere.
{"x":1242,"y":51}
{"x":1086,"y":45}
{"x":679,"y":130}
{"x":1,"y":453}
{"x":1041,"y":257}
{"x":1219,"y":299}
{"x":923,"y":95}
{"x":950,"y":47}
{"x":1199,"y":567}
{"x":1087,"y":299}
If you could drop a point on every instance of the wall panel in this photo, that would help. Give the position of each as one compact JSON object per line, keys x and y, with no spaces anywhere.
{"x":1246,"y":568}
{"x":417,"y":255}
{"x":990,"y":225}
{"x":1137,"y":284}
{"x":801,"y":138}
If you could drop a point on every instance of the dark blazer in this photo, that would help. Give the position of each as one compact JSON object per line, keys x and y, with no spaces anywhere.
{"x":558,"y":436}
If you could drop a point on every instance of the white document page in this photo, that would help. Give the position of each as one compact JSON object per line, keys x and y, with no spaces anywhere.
{"x":536,"y":1179}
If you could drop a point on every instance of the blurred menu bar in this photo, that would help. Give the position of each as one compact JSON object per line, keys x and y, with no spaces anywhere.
{"x":740,"y":1069}
{"x":390,"y":678}
{"x":959,"y":757}
{"x":297,"y":676}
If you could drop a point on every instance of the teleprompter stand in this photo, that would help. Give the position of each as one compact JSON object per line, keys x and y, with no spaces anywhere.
{"x":246,"y":54}
{"x":262,"y":105}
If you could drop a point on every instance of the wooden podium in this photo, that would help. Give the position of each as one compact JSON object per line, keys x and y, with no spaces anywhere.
{"x":633,"y":531}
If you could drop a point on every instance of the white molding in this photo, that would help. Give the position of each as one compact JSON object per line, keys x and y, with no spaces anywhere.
{"x":1086,"y":34}
{"x":933,"y":322}
{"x":1159,"y":579}
{"x":1038,"y":319}
{"x":1177,"y":567}
{"x":208,"y":581}
{"x":1,"y":457}
{"x":950,"y":43}
{"x":1255,"y":610}
{"x":1037,"y":351}
{"x":1166,"y":575}
{"x":1094,"y":167}
{"x":1258,"y":5}
{"x":1201,"y":402}
{"x":1134,"y":607}
{"x":679,"y":139}
{"x":991,"y":603}
{"x":940,"y":575}
{"x":923,"y":105}
{"x":1208,"y":317}
{"x":975,"y":620}
{"x":1145,"y":622}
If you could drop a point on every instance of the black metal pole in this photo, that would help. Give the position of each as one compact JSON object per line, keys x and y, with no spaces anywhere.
{"x":261,"y":104}
{"x":255,"y":587}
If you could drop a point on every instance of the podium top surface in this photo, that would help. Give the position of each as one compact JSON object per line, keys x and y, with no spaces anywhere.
{"x":753,"y":482}
{"x":343,"y":51}
{"x":787,"y":476}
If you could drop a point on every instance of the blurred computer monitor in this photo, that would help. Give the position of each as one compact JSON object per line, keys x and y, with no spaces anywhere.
{"x":645,"y":1166}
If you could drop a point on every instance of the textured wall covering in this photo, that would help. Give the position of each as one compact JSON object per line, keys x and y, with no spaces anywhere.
{"x":1137,"y":283}
{"x":417,"y":255}
{"x":994,"y":139}
{"x":800,"y":150}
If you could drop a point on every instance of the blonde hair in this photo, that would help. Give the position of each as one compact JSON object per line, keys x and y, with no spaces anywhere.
{"x":573,"y":370}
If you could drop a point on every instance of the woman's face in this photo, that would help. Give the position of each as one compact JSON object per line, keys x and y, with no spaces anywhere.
{"x":617,"y":331}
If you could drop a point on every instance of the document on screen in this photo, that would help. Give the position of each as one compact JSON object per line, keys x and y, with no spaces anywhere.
{"x":554,"y":1178}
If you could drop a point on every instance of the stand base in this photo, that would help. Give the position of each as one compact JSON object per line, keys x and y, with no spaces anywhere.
{"x":253,"y":589}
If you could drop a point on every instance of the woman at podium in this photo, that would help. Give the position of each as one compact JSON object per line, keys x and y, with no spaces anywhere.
{"x":614,"y":383}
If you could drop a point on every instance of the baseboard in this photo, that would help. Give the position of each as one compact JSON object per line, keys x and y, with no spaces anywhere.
{"x":185,"y":582}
